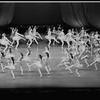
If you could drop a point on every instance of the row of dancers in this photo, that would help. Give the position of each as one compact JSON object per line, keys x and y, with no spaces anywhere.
{"x":71,"y":59}
{"x":78,"y":44}
{"x":40,"y":61}
{"x":56,"y":35}
{"x":30,"y":35}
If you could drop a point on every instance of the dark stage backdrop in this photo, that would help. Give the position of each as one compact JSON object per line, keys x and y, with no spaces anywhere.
{"x":81,"y":14}
{"x":73,"y":14}
{"x":6,"y":13}
{"x":37,"y":13}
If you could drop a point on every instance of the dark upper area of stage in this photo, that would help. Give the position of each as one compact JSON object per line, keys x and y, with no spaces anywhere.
{"x":37,"y":13}
{"x":26,"y":14}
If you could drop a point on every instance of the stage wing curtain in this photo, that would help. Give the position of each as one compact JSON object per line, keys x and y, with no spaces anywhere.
{"x":81,"y":14}
{"x":73,"y":14}
{"x":92,"y":11}
{"x":6,"y":13}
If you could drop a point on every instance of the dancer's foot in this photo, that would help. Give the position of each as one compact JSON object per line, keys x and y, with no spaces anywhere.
{"x":2,"y":70}
{"x":16,"y":48}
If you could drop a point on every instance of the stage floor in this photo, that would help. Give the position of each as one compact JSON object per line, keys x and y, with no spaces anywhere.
{"x":58,"y":77}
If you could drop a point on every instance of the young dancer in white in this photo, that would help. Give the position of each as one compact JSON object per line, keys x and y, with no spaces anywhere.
{"x":26,"y":60}
{"x":5,"y":41}
{"x":38,"y":64}
{"x":17,"y":37}
{"x":95,"y":60}
{"x":49,"y":37}
{"x":36,"y":34}
{"x":11,"y":66}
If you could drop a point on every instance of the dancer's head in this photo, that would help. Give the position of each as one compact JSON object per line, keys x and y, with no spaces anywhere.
{"x":10,"y":49}
{"x":65,"y":49}
{"x":35,"y":27}
{"x":54,"y":28}
{"x":1,"y":48}
{"x":3,"y":34}
{"x":59,"y":26}
{"x":16,"y":29}
{"x":29,"y":51}
{"x":12,"y":59}
{"x":96,"y":53}
{"x":21,"y":54}
{"x":47,"y":48}
{"x":82,"y":28}
{"x":72,"y":29}
{"x":69,"y":30}
{"x":40,"y":56}
{"x":11,"y":28}
{"x":49,"y":29}
{"x":3,"y":54}
{"x":47,"y":54}
{"x":62,"y":30}
{"x":29,"y":28}
{"x":96,"y":32}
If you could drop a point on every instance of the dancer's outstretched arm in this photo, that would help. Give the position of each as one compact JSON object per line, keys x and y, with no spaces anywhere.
{"x":84,"y":57}
{"x":20,"y":34}
{"x":8,"y":40}
{"x":93,"y":63}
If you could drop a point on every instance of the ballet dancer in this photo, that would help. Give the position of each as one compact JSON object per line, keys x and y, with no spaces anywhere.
{"x":2,"y":55}
{"x":27,"y":58}
{"x":47,"y":50}
{"x":85,"y":59}
{"x":66,"y":58}
{"x":32,"y":37}
{"x":68,"y":66}
{"x":41,"y":62}
{"x":46,"y":62}
{"x":17,"y":37}
{"x":62,"y":38}
{"x":9,"y":53}
{"x":74,"y":50}
{"x":38,"y":64}
{"x":11,"y":66}
{"x":77,"y":65}
{"x":96,"y":60}
{"x":54,"y":30}
{"x":37,"y":35}
{"x":5,"y":41}
{"x":69,"y":38}
{"x":20,"y":62}
{"x":81,"y":48}
{"x":49,"y":37}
